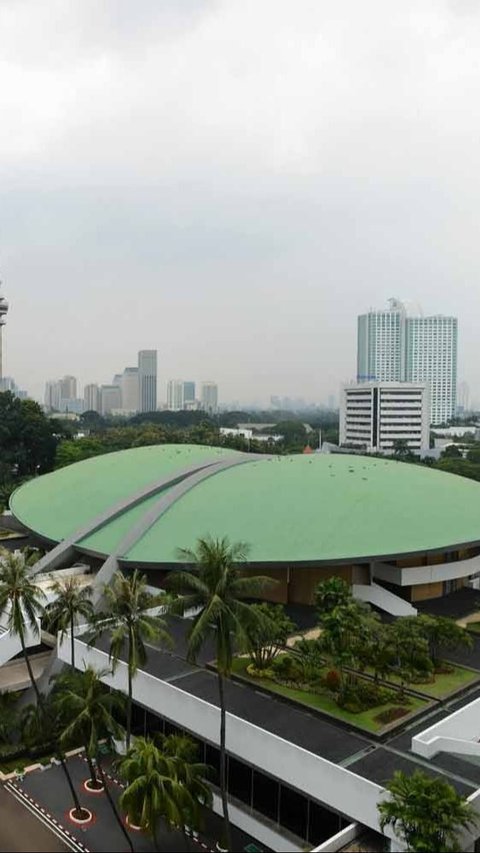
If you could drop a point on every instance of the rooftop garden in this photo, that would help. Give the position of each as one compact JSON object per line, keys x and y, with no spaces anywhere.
{"x":358,"y":669}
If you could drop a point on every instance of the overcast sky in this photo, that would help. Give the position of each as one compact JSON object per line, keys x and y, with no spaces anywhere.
{"x":232,"y":182}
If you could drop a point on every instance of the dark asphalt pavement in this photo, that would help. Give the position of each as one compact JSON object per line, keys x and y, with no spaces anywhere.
{"x":21,"y":831}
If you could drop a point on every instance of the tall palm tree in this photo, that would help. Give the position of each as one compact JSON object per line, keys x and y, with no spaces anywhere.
{"x":72,"y":600}
{"x":87,"y":709}
{"x":215,"y":585}
{"x":21,"y":598}
{"x":192,"y":775}
{"x":131,"y":626}
{"x":163,"y":781}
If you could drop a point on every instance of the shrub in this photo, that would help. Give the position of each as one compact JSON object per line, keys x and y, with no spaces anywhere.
{"x":363,"y":695}
{"x":255,"y":672}
{"x":390,"y":715}
{"x":10,"y":751}
{"x":333,"y":681}
{"x":285,"y":667}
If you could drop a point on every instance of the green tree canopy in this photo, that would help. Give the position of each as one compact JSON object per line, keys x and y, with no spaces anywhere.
{"x":130,"y":624}
{"x":164,"y":781}
{"x":425,"y":812}
{"x":331,"y":593}
{"x":269,"y":634}
{"x":442,"y":633}
{"x":28,"y":439}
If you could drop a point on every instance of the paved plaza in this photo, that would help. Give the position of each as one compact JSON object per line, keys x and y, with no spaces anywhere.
{"x":44,"y":793}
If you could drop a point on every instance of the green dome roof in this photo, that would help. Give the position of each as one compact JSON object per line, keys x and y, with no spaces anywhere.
{"x":302,"y":508}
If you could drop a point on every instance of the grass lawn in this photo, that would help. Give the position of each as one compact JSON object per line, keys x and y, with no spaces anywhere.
{"x":447,"y":682}
{"x":365,"y":719}
{"x":444,"y":684}
{"x":473,"y":626}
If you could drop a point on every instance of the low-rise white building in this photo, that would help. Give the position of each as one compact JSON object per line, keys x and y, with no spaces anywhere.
{"x":375,"y":415}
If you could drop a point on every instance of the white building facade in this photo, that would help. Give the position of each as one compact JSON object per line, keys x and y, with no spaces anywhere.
{"x":375,"y":415}
{"x":431,"y":356}
{"x":394,"y":346}
{"x":91,"y":398}
{"x":175,"y":395}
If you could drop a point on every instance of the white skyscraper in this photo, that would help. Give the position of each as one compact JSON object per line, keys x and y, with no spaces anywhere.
{"x":209,"y":396}
{"x":431,"y":356}
{"x":381,"y":345}
{"x":175,"y":395}
{"x":147,"y":380}
{"x":395,"y":346}
{"x":91,"y":398}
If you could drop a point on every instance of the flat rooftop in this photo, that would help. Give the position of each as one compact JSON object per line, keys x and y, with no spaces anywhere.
{"x":363,"y":754}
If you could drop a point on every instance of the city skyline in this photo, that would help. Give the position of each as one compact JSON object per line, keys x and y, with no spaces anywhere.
{"x":294,"y":185}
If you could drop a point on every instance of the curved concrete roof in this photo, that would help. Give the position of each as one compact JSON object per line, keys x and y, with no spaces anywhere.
{"x":302,"y":508}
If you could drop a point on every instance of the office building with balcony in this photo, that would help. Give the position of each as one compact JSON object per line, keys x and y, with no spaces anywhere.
{"x":374,"y":416}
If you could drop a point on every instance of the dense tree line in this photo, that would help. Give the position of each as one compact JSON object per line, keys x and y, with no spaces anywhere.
{"x":28,"y":442}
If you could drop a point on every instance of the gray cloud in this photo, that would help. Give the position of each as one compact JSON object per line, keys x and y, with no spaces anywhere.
{"x":232,"y":182}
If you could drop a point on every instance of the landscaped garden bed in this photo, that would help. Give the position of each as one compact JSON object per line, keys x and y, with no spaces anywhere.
{"x":321,"y":699}
{"x":358,"y":669}
{"x":443,"y":684}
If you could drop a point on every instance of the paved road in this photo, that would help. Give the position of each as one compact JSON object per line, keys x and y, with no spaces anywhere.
{"x":21,"y":831}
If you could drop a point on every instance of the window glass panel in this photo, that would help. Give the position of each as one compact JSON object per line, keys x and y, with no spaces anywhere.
{"x":212,"y":758}
{"x":322,"y":823}
{"x":240,"y":780}
{"x":265,"y":795}
{"x":293,"y":811}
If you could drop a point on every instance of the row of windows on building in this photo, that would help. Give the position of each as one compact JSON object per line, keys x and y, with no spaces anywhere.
{"x":284,"y":806}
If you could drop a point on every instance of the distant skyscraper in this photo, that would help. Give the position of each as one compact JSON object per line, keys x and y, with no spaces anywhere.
{"x":52,"y":396}
{"x":147,"y":380}
{"x":381,"y":345}
{"x":209,"y":397}
{"x":129,"y":385}
{"x":175,"y":395}
{"x":110,"y":399}
{"x":91,"y":398}
{"x":188,"y":394}
{"x":396,"y":347}
{"x":431,"y":349}
{"x":3,"y":314}
{"x":68,"y":388}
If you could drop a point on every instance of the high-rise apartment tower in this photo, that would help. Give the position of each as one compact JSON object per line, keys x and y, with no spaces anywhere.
{"x":147,"y":380}
{"x":395,"y":346}
{"x":175,"y":395}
